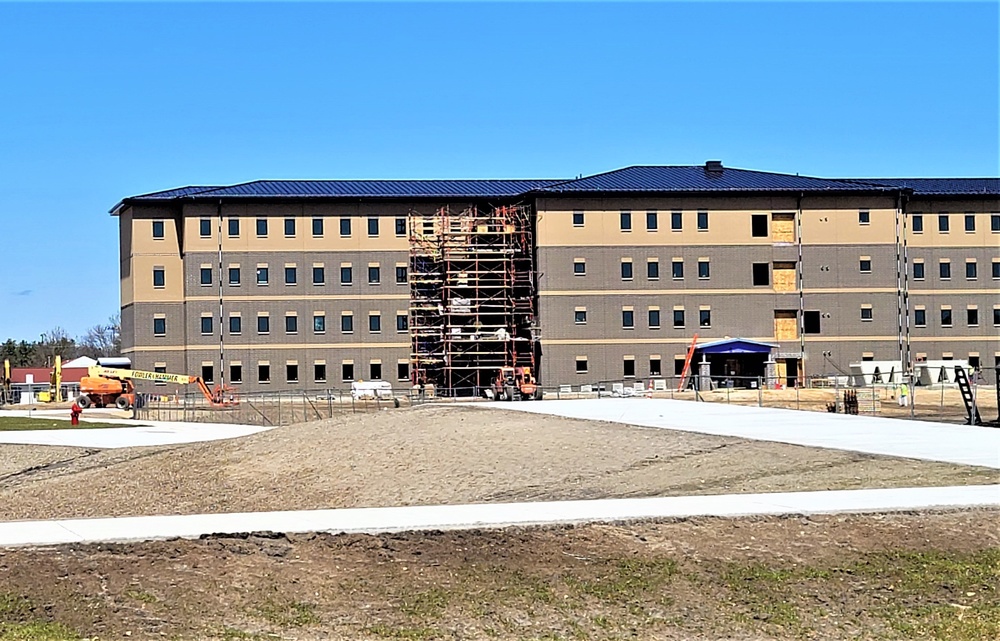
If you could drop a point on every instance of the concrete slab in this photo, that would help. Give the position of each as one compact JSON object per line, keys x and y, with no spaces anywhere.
{"x":437,"y":517}
{"x":961,"y":444}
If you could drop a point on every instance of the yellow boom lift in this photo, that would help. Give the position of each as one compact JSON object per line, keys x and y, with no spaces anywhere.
{"x":106,"y":386}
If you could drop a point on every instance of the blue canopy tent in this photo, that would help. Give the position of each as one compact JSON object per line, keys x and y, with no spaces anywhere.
{"x":739,"y":360}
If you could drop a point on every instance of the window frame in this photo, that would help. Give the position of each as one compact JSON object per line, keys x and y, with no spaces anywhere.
{"x":290,"y":224}
{"x":159,"y":326}
{"x":625,"y":221}
{"x":373,"y":223}
{"x":702,"y":221}
{"x":628,"y":319}
{"x":291,"y":324}
{"x":202,"y":271}
{"x":162,"y":235}
{"x":652,"y":220}
{"x":260,"y":227}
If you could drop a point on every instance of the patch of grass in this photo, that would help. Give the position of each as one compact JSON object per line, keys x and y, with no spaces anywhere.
{"x":141,"y":596}
{"x":295,"y":614}
{"x":395,"y":632}
{"x":428,"y":604}
{"x":14,"y":606}
{"x":20,"y":423}
{"x":627,"y":580}
{"x":37,"y":631}
{"x":235,"y":634}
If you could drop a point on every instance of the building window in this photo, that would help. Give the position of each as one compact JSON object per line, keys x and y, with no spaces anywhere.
{"x":628,"y":319}
{"x":263,"y":373}
{"x":943,"y":224}
{"x":289,"y":228}
{"x":319,"y":372}
{"x":972,"y":316}
{"x":158,"y":229}
{"x":291,"y":324}
{"x":625,"y":221}
{"x":206,"y":275}
{"x":653,"y":270}
{"x":347,"y":323}
{"x":402,"y":371}
{"x":677,"y":269}
{"x":374,"y":275}
{"x":945,"y":270}
{"x":676,"y":220}
{"x":626,"y":270}
{"x":345,"y":227}
{"x":704,"y":270}
{"x":996,"y":269}
{"x":920,"y":317}
{"x":811,"y":322}
{"x":758,"y":225}
{"x":654,"y":319}
{"x":678,"y":318}
{"x":918,"y":270}
{"x":374,"y":323}
{"x":702,"y":221}
{"x":655,"y":367}
{"x":970,"y":222}
{"x":400,"y":275}
{"x":317,"y":227}
{"x":263,"y":324}
{"x":402,"y":323}
{"x":400,"y":226}
{"x":864,"y":217}
{"x":207,"y":373}
{"x":263,"y":274}
{"x":971,"y":270}
{"x":865,"y":265}
{"x":375,"y":371}
{"x":996,"y":316}
{"x":205,"y":228}
{"x":291,"y":275}
{"x":579,"y":267}
{"x":628,"y":367}
{"x":761,"y":274}
{"x":159,"y":327}
{"x":235,"y":324}
{"x":995,"y":223}
{"x":261,"y":227}
{"x":651,"y":221}
{"x":945,"y":317}
{"x":918,"y":223}
{"x":866,"y":313}
{"x":319,"y":275}
{"x":347,"y":371}
{"x":234,"y":276}
{"x":581,"y":364}
{"x":580,"y":317}
{"x":292,"y":372}
{"x":704,"y":318}
{"x":159,"y":278}
{"x":235,"y":373}
{"x":578,"y":218}
{"x":234,"y":227}
{"x":206,"y":325}
{"x":346,"y":275}
{"x":319,"y":323}
{"x":373,"y":226}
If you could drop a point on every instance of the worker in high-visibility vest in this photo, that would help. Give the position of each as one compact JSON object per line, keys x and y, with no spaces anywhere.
{"x":904,"y":395}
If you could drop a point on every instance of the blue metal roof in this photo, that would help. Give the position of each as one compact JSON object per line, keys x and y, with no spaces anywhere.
{"x":735,"y":346}
{"x":378,"y":188}
{"x":168,"y":194}
{"x":698,"y":179}
{"x":940,"y":186}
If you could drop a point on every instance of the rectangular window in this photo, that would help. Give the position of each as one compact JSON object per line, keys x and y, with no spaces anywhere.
{"x":374,"y":275}
{"x":651,"y":221}
{"x":865,"y":265}
{"x":626,"y":270}
{"x":918,"y":223}
{"x":319,"y":323}
{"x":866,"y":313}
{"x":319,"y":372}
{"x":970,"y":222}
{"x":374,"y":323}
{"x":159,"y":327}
{"x":677,"y":269}
{"x":263,"y":324}
{"x":319,"y":275}
{"x":995,"y":223}
{"x":918,"y":270}
{"x":373,"y":226}
{"x":291,"y":324}
{"x":705,"y":317}
{"x":704,"y":270}
{"x":206,"y":275}
{"x":234,"y":276}
{"x":676,"y":220}
{"x":920,"y":318}
{"x":946,"y":317}
{"x":346,"y":275}
{"x":400,"y":275}
{"x":996,"y":269}
{"x":944,"y":270}
{"x":207,"y":373}
{"x":291,"y":275}
{"x":235,"y":373}
{"x":972,"y":316}
{"x":761,"y":274}
{"x":578,"y":218}
{"x":159,"y":278}
{"x":864,"y":217}
{"x":653,"y":270}
{"x":628,"y":367}
{"x":996,"y":316}
{"x":628,"y":319}
{"x":679,"y":318}
{"x":402,"y":371}
{"x":234,"y":227}
{"x":261,"y":227}
{"x":625,"y":221}
{"x":580,"y":317}
{"x":655,"y":366}
{"x":317,"y":227}
{"x":702,"y":221}
{"x":400,"y":226}
{"x":235,"y":324}
{"x":581,"y":364}
{"x":158,"y":229}
{"x":345,"y":227}
{"x":263,"y":373}
{"x":811,"y":322}
{"x":971,"y":270}
{"x":758,"y":225}
{"x":347,"y":323}
{"x":402,"y":323}
{"x":289,"y":227}
{"x":654,"y":319}
{"x":943,"y":224}
{"x":263,"y":274}
{"x":292,"y":372}
{"x":347,"y":371}
{"x":206,"y":325}
{"x":579,"y":267}
{"x":205,"y":228}
{"x":375,"y":371}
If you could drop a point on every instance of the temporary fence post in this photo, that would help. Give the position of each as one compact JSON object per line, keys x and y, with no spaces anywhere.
{"x":797,"y":395}
{"x":760,"y":392}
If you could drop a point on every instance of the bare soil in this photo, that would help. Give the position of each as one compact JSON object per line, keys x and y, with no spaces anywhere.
{"x":432,"y":455}
{"x":901,"y":576}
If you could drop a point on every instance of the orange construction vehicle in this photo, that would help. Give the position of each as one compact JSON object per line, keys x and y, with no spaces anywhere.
{"x":515,"y":382}
{"x":106,"y":386}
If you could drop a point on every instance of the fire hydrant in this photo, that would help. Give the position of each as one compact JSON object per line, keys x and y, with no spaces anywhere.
{"x":74,"y":414}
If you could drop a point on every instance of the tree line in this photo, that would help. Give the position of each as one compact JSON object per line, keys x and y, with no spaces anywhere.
{"x":100,"y":340}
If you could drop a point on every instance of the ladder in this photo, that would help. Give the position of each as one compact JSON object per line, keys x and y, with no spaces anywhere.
{"x":972,"y":411}
{"x":687,"y":363}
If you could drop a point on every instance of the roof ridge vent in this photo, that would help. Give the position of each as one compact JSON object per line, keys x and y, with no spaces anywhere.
{"x":713,"y":167}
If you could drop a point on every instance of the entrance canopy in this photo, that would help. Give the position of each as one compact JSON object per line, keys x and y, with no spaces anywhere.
{"x":735,"y":346}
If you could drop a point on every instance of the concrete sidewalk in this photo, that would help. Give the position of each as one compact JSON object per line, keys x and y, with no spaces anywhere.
{"x":439,"y":517}
{"x":961,"y":444}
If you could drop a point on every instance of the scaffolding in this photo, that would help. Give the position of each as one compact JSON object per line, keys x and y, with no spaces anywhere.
{"x":472,"y":296}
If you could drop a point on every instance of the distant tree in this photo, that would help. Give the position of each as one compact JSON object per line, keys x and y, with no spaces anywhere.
{"x":20,"y":354}
{"x":55,"y":342}
{"x":102,"y":340}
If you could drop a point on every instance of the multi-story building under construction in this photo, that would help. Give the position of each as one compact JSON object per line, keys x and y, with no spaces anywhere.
{"x":312,"y":284}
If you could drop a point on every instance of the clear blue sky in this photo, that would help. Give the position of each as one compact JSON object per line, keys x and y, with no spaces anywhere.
{"x":102,"y":101}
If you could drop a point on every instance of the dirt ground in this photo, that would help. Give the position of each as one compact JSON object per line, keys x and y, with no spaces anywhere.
{"x":432,"y":455}
{"x":902,"y":576}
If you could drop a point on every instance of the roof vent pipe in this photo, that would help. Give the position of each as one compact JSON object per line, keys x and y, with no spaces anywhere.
{"x":713,"y":166}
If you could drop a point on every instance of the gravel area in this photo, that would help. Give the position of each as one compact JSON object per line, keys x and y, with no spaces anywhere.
{"x":435,"y":455}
